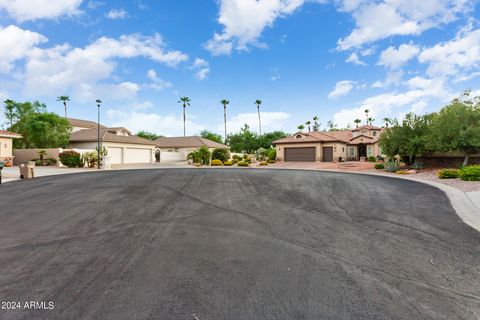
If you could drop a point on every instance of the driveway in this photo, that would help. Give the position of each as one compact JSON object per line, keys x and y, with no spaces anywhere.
{"x":235,"y":244}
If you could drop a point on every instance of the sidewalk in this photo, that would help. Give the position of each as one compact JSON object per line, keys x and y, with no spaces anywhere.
{"x":13,"y":173}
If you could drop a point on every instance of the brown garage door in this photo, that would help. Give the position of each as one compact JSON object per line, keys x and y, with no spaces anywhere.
{"x":300,"y":154}
{"x":327,"y":154}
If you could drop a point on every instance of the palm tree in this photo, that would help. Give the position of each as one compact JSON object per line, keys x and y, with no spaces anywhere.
{"x":357,"y":122}
{"x":64,"y":99}
{"x":301,"y":127}
{"x":366,"y":114}
{"x":387,"y":121}
{"x":308,"y":125}
{"x":370,"y":121}
{"x":185,"y":101}
{"x":258,"y":103}
{"x":316,"y":124}
{"x":225,"y":103}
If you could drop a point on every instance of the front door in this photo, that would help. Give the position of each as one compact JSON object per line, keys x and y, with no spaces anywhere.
{"x":362,"y":151}
{"x":327,"y":154}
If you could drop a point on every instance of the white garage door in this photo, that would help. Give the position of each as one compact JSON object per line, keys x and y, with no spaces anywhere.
{"x":138,"y":155}
{"x":166,"y":156}
{"x":116,"y":155}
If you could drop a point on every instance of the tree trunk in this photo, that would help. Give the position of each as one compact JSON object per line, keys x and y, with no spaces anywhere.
{"x":259,"y":122}
{"x":225,"y":121}
{"x":65,"y":104}
{"x":184,"y":119}
{"x":465,"y":160}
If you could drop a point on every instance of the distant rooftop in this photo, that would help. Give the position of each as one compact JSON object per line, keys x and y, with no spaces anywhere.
{"x":187,"y":142}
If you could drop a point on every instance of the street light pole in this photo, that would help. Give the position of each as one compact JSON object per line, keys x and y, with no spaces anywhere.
{"x":99,"y":102}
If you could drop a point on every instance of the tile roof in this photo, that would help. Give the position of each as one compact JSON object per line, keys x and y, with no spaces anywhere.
{"x":82,"y":123}
{"x":342,"y":136}
{"x":89,"y":135}
{"x":9,"y":134}
{"x":188,"y":142}
{"x":368,"y":127}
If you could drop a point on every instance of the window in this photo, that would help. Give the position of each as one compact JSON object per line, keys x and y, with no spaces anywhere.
{"x":369,"y":151}
{"x":374,"y":133}
{"x":298,"y":136}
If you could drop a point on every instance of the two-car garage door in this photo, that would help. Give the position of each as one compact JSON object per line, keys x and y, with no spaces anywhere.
{"x":306,"y":154}
{"x":132,"y":155}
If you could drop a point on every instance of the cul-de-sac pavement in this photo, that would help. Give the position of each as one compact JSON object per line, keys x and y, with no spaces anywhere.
{"x":235,"y":244}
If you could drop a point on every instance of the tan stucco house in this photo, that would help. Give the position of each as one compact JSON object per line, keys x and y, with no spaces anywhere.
{"x":327,"y":146}
{"x":6,"y":146}
{"x":122,"y":146}
{"x":177,"y":148}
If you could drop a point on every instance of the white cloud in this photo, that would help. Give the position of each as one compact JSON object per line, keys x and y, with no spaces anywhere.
{"x":454,"y":56}
{"x":382,"y":19}
{"x":244,"y":21}
{"x":202,"y":68}
{"x":393,"y":77}
{"x":353,"y":58}
{"x":23,"y":10}
{"x":270,"y":121}
{"x":63,"y":69}
{"x":16,"y":44}
{"x":342,"y":88}
{"x":421,"y":90}
{"x":116,"y":14}
{"x":395,"y":58}
{"x":169,"y":125}
{"x":158,"y":84}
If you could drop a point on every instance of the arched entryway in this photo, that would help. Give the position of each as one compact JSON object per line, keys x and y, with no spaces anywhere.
{"x":362,"y":151}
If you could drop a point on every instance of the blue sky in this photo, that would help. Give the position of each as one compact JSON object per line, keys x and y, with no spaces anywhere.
{"x":303,"y":58}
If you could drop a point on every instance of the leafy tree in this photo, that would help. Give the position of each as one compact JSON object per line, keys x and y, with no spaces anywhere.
{"x":10,"y":111}
{"x":225,"y":103}
{"x":185,"y":101}
{"x":301,"y":127}
{"x":265,"y":140}
{"x":258,"y":103}
{"x":42,"y":130}
{"x":64,"y":100}
{"x":211,"y":136}
{"x":409,"y":139}
{"x":148,"y":135}
{"x":457,"y":126}
{"x":202,"y":156}
{"x":244,"y":141}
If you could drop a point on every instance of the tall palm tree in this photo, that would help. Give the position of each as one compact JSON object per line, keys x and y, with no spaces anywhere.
{"x":258,"y":103}
{"x":225,"y":103}
{"x":308,"y":125}
{"x":185,"y":101}
{"x":357,"y":122}
{"x":316,"y":124}
{"x":301,"y":127}
{"x":366,"y":114}
{"x":64,"y":99}
{"x":370,"y":121}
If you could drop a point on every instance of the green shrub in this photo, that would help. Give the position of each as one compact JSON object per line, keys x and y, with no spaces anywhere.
{"x":236,"y":157}
{"x":242,"y":164}
{"x":246,"y":156}
{"x":379,"y":166}
{"x":272,"y":154}
{"x":235,"y":161}
{"x":221,"y":154}
{"x":271,"y":161}
{"x":448,"y":173}
{"x":470,"y":173}
{"x":227,"y":163}
{"x":70,"y":158}
{"x":90,"y":159}
{"x":264,"y":163}
{"x":417,"y":166}
{"x":51,"y":161}
{"x":391,"y":166}
{"x":372,"y":159}
{"x":216,"y":163}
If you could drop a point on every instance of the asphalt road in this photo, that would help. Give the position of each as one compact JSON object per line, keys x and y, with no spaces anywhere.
{"x":234,"y":244}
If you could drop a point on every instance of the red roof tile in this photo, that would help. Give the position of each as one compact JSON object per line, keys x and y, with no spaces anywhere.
{"x":9,"y":134}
